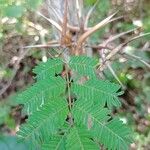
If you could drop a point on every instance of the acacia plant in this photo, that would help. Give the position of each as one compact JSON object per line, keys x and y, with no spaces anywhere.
{"x":70,"y":106}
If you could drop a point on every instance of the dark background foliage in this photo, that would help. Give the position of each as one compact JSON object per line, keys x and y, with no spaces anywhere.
{"x":21,"y":26}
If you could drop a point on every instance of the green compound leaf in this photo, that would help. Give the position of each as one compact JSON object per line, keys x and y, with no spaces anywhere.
{"x":98,"y":91}
{"x":83,"y":66}
{"x":113,"y":134}
{"x":47,"y":69}
{"x":40,"y":93}
{"x":44,"y":122}
{"x":80,"y":139}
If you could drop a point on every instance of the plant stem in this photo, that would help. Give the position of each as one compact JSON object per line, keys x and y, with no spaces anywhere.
{"x":69,"y":96}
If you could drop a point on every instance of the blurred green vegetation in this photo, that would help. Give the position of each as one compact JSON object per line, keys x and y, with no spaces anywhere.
{"x":133,"y":74}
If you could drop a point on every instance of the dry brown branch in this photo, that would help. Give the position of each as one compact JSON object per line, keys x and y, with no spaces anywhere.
{"x":102,"y":61}
{"x":92,"y":30}
{"x":58,"y":5}
{"x":79,"y":5}
{"x":64,"y":24}
{"x":42,"y":46}
{"x":115,"y":75}
{"x":139,"y":59}
{"x":113,"y":38}
{"x":55,"y":24}
{"x":118,"y":48}
{"x":70,"y":27}
{"x":105,"y":43}
{"x":89,"y":14}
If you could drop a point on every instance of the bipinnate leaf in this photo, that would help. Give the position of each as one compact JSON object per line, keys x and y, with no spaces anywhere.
{"x":83,"y":66}
{"x":99,"y":91}
{"x":114,"y":135}
{"x":48,"y":69}
{"x":40,"y":93}
{"x":80,"y":139}
{"x":74,"y":115}
{"x":45,"y":122}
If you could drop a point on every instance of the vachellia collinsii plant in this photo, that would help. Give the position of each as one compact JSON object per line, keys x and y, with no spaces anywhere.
{"x":69,"y":107}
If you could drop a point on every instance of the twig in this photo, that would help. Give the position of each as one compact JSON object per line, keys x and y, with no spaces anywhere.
{"x":117,"y":18}
{"x":89,"y":14}
{"x":70,"y":27}
{"x":146,"y":46}
{"x":118,"y":48}
{"x":55,"y":24}
{"x":115,"y":75}
{"x":92,"y":30}
{"x":113,"y":38}
{"x":69,"y":95}
{"x":104,"y":45}
{"x":102,"y":54}
{"x":99,"y":47}
{"x":79,"y":12}
{"x":42,"y":46}
{"x":139,"y":59}
{"x":137,"y":37}
{"x":64,"y":24}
